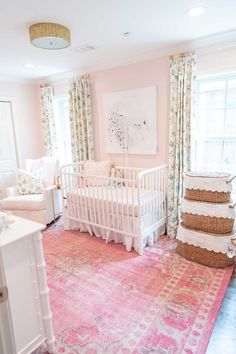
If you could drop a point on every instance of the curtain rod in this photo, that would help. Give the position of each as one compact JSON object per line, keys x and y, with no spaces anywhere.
{"x":82,"y":77}
{"x":45,"y":85}
{"x":86,"y":76}
{"x":181,"y":55}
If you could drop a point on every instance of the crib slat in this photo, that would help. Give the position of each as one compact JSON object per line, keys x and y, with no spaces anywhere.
{"x":122,"y":208}
{"x":133,"y":209}
{"x":127,"y":217}
{"x":98,"y":211}
{"x":107,"y":209}
{"x":112,"y":206}
{"x":103,"y":207}
{"x":117,"y":209}
{"x":86,"y":197}
{"x":94,"y":211}
{"x":71,"y":195}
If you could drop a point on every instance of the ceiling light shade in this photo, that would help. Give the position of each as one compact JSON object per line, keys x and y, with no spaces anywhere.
{"x":49,"y":35}
{"x":196,"y":11}
{"x":28,"y":65}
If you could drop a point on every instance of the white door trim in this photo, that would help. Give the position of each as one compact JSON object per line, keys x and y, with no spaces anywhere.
{"x":12,"y":104}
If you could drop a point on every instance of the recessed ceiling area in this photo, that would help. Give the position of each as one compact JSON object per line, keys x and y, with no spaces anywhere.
{"x":153,"y":27}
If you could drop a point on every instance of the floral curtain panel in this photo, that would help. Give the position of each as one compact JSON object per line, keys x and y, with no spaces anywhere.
{"x":81,"y":120}
{"x":182,"y":74}
{"x":47,"y":118}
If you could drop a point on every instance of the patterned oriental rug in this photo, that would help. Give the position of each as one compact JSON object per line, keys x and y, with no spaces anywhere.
{"x":106,"y":300}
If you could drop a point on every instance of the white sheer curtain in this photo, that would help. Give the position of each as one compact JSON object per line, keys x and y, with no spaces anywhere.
{"x":47,"y":119}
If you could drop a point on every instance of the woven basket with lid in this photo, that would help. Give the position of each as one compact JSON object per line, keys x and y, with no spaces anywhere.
{"x":208,"y":217}
{"x":204,"y":248}
{"x":203,"y":256}
{"x":208,"y":187}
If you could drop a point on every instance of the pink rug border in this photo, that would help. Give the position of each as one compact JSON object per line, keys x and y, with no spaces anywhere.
{"x":214,"y":311}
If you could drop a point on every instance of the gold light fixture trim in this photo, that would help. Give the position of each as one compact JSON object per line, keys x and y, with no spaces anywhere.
{"x":49,"y":35}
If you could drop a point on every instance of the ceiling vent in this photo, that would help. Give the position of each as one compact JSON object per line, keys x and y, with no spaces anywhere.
{"x":84,"y":48}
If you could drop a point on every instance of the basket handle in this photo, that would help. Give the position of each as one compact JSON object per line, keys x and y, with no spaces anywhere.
{"x":233,"y":240}
{"x":231,"y":179}
{"x":232,"y":205}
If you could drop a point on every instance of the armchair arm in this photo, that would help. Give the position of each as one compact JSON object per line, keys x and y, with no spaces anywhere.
{"x":53,"y":201}
{"x":11,"y":191}
{"x":46,"y":190}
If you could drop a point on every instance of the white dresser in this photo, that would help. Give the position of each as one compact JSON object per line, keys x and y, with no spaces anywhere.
{"x":25,"y":315}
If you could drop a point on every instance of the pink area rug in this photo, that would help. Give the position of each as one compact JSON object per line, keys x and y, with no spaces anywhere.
{"x":106,"y":300}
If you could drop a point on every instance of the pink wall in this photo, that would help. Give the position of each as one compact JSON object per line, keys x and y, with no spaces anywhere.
{"x":26,"y":118}
{"x":138,"y":75}
{"x":143,"y":74}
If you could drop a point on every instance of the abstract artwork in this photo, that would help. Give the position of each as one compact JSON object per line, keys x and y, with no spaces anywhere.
{"x":130,"y":118}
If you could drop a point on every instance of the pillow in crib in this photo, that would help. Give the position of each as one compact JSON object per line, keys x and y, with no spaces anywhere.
{"x":28,"y":183}
{"x":98,"y":169}
{"x":80,"y":181}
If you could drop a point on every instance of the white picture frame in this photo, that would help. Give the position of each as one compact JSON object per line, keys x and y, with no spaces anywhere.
{"x":130,"y":121}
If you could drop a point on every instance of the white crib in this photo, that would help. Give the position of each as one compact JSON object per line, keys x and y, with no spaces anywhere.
{"x":131,"y":209}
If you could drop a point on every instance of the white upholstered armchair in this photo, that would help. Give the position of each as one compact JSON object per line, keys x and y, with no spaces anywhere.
{"x":41,"y":207}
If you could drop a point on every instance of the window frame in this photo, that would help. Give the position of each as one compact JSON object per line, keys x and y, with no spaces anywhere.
{"x":195,"y":137}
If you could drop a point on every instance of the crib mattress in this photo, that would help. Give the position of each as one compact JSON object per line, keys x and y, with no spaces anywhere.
{"x":117,"y":200}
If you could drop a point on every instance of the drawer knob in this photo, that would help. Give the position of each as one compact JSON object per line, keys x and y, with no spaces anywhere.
{"x":3,"y":294}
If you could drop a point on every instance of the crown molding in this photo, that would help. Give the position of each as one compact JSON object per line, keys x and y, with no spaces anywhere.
{"x":213,"y":43}
{"x":60,"y":77}
{"x":202,"y":46}
{"x":106,"y":65}
{"x":17,"y":80}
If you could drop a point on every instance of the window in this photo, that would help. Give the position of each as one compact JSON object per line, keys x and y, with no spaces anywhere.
{"x":62,"y":123}
{"x":214,"y":125}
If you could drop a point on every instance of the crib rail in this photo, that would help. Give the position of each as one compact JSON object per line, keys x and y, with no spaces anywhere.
{"x":154,"y":182}
{"x":133,"y":204}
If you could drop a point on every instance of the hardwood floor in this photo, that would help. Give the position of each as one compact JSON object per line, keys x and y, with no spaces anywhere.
{"x":223,"y":339}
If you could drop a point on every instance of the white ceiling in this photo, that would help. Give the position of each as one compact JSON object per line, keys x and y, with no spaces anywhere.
{"x":156,"y":26}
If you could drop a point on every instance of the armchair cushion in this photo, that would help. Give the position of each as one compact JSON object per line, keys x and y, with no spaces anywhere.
{"x":11,"y":191}
{"x":46,"y":168}
{"x":25,"y":202}
{"x":28,"y":183}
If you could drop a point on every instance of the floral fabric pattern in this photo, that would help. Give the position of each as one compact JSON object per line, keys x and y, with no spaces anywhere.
{"x":81,"y":120}
{"x":28,"y":183}
{"x":182,"y":74}
{"x":47,"y":118}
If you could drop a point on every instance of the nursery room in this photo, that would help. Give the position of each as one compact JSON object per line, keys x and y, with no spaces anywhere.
{"x":117,"y":177}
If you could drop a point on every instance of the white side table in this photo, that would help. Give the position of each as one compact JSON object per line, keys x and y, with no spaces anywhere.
{"x":25,"y":314}
{"x":56,"y":198}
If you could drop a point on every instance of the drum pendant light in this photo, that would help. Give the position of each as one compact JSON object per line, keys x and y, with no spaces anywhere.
{"x":48,"y":35}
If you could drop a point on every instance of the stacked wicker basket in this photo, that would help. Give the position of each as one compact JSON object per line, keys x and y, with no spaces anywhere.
{"x":207,"y":219}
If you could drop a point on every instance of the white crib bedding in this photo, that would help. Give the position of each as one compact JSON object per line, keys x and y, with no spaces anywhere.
{"x":95,"y":223}
{"x":118,"y":236}
{"x":118,"y":201}
{"x":129,"y":224}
